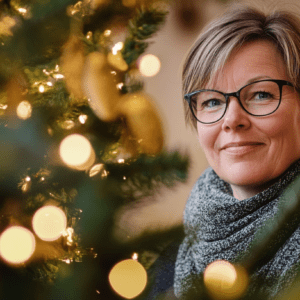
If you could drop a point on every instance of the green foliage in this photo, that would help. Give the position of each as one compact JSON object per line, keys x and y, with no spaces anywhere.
{"x":141,"y":27}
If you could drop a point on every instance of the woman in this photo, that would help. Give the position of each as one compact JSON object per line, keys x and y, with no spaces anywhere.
{"x":241,"y":83}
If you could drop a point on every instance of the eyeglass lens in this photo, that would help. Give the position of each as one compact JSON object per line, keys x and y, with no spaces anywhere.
{"x":259,"y":99}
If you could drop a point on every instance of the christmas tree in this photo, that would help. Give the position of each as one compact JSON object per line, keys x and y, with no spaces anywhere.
{"x":80,"y":139}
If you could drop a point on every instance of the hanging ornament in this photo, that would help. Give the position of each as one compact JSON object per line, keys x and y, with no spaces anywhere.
{"x":225,"y":281}
{"x":142,"y":121}
{"x":72,"y":62}
{"x":99,"y":85}
{"x":116,"y":61}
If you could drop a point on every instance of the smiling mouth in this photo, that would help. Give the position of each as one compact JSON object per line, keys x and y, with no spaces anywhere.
{"x":241,"y":148}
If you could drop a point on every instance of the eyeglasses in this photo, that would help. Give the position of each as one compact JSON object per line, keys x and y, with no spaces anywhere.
{"x":259,"y":98}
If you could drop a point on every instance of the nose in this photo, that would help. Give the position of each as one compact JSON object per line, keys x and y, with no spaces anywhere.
{"x":235,"y":117}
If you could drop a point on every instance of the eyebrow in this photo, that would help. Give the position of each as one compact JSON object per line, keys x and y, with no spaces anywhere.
{"x":257,"y":78}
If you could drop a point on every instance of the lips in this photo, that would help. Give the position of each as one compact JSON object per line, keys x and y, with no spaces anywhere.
{"x":241,"y":148}
{"x":240,"y":144}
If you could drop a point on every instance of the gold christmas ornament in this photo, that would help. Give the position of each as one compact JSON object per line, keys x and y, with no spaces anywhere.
{"x":142,"y":121}
{"x":143,"y":126}
{"x":225,"y":281}
{"x":99,"y":86}
{"x":117,"y":61}
{"x":72,"y":63}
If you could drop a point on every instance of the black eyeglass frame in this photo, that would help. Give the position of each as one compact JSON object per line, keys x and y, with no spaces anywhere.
{"x":279,"y":82}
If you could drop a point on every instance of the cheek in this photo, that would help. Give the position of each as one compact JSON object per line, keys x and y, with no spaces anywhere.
{"x":207,"y":137}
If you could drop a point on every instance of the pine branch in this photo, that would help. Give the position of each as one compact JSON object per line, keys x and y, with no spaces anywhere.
{"x":141,"y":27}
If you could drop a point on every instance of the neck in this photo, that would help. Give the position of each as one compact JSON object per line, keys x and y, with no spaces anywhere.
{"x":245,"y":192}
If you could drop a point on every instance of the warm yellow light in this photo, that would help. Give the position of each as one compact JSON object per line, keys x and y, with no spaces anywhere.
{"x":118,"y":46}
{"x":128,"y":278}
{"x":149,"y":65}
{"x":22,"y":10}
{"x":82,"y":119}
{"x":77,"y":152}
{"x":41,"y":88}
{"x":24,"y":110}
{"x":17,"y":244}
{"x":49,"y":222}
{"x":96,"y":169}
{"x":107,"y":33}
{"x":224,"y":280}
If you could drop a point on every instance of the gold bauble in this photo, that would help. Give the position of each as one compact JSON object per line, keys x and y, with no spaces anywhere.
{"x":142,"y":121}
{"x":99,"y":86}
{"x":117,"y":61}
{"x":72,"y":62}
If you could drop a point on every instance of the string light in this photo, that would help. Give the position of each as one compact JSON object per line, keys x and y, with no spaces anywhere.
{"x":224,"y":280}
{"x":107,"y":33}
{"x":68,"y":234}
{"x":82,"y":119}
{"x":41,"y":88}
{"x":24,"y":110}
{"x":128,"y":278}
{"x":68,"y":124}
{"x":17,"y":244}
{"x":89,"y":35}
{"x":118,"y":46}
{"x":76,"y":152}
{"x":149,"y":65}
{"x":58,"y":76}
{"x":3,"y":106}
{"x":49,"y":222}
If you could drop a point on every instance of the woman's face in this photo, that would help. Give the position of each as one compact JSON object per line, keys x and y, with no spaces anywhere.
{"x":246,"y":151}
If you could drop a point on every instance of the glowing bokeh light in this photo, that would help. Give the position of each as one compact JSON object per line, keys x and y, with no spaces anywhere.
{"x":128,"y":278}
{"x":224,"y":280}
{"x":77,"y":152}
{"x":149,"y":65}
{"x":17,"y":245}
{"x":24,"y":110}
{"x":49,"y":222}
{"x":82,"y":119}
{"x":118,"y":46}
{"x":41,"y":88}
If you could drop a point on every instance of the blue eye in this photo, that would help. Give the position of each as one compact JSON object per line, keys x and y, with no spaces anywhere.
{"x":263,"y":96}
{"x":210,"y":104}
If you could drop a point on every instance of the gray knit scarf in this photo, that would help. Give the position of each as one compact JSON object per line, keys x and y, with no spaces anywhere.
{"x":218,"y":226}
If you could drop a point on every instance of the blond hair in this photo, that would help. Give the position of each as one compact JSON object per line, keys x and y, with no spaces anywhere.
{"x":229,"y":32}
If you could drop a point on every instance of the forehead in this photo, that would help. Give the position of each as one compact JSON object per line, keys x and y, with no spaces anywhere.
{"x":253,"y":61}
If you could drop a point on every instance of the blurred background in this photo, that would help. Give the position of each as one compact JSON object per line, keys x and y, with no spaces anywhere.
{"x":170,"y":45}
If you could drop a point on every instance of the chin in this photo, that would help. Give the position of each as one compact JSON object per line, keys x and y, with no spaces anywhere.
{"x":250,"y":176}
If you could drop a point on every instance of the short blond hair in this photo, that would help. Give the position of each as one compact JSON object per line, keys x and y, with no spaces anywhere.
{"x":229,"y":32}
